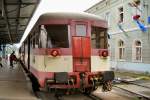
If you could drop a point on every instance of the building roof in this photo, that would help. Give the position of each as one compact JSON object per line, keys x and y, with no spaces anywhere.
{"x":95,"y":5}
{"x":14,"y":18}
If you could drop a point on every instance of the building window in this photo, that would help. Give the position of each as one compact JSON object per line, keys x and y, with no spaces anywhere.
{"x":121,"y":50}
{"x":121,"y":15}
{"x":137,"y":51}
{"x":135,"y":7}
{"x":107,"y":18}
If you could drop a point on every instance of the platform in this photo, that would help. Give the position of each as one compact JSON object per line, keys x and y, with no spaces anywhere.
{"x":14,"y":85}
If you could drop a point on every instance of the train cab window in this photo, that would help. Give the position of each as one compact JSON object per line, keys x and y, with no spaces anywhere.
{"x":33,"y":42}
{"x":57,"y":36}
{"x":36,"y":41}
{"x":98,"y":38}
{"x":43,"y":37}
{"x":81,"y":30}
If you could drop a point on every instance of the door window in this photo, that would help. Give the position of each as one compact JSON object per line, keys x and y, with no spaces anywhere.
{"x":80,"y":30}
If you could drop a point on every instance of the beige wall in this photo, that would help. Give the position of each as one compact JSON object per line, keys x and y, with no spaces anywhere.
{"x":131,"y":28}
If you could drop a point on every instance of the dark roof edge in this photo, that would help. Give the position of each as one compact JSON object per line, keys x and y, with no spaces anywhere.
{"x":95,"y":5}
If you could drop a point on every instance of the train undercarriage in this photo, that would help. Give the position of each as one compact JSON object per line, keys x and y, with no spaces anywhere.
{"x":86,"y":82}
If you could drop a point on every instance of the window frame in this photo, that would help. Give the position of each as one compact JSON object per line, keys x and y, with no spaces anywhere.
{"x":81,"y":23}
{"x":107,"y":18}
{"x":101,"y":37}
{"x":121,"y":14}
{"x":122,"y":47}
{"x":68,"y":35}
{"x":134,"y":51}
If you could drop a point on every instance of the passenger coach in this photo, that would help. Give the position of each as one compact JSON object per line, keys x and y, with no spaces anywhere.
{"x":68,"y":50}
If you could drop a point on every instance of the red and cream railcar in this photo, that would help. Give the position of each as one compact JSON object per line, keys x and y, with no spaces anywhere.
{"x":68,"y":50}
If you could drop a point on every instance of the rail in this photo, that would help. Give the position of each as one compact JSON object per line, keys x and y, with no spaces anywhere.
{"x":124,"y":81}
{"x":139,"y":95}
{"x":93,"y":97}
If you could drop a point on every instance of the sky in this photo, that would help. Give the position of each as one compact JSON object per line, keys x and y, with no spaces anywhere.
{"x":57,"y":6}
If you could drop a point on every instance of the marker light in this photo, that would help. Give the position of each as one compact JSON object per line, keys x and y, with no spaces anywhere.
{"x":103,"y":53}
{"x":54,"y":53}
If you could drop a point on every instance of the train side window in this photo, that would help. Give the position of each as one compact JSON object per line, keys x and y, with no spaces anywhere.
{"x":30,"y":41}
{"x":31,"y":44}
{"x":36,"y":37}
{"x":36,"y":41}
{"x":43,"y":37}
{"x":99,"y":38}
{"x":33,"y":41}
{"x":57,"y":36}
{"x":40,"y":44}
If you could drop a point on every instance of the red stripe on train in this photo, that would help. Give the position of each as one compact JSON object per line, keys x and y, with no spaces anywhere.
{"x":45,"y":51}
{"x":63,"y":51}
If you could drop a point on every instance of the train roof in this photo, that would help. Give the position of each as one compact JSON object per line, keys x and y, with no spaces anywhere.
{"x":70,"y":15}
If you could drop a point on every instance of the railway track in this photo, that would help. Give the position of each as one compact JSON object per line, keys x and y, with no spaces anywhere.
{"x":138,"y":95}
{"x":93,"y":97}
{"x":134,"y":89}
{"x":124,"y":86}
{"x":134,"y":83}
{"x":80,"y":96}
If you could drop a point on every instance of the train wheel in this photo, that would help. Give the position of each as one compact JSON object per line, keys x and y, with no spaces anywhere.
{"x":88,"y":90}
{"x":107,"y":86}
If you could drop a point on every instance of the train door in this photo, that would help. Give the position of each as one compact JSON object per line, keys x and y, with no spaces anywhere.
{"x":29,"y":52}
{"x":81,"y":48}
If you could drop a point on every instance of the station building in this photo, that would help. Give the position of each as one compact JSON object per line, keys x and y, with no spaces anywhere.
{"x":129,"y":32}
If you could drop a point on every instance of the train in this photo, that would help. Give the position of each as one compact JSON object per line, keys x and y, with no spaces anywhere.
{"x":68,"y":50}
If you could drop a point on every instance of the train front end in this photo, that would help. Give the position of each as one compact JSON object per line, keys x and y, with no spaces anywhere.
{"x":68,"y":51}
{"x":80,"y":58}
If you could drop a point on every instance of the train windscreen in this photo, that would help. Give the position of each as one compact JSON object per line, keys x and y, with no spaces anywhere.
{"x":57,"y":36}
{"x":99,"y":38}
